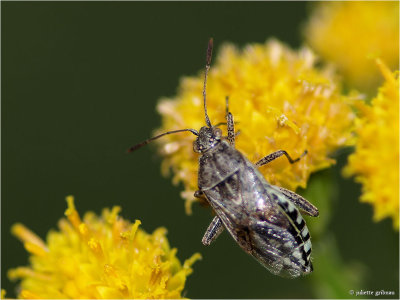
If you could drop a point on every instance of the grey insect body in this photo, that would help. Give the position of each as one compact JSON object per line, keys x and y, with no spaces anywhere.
{"x":263,"y":219}
{"x":258,"y":215}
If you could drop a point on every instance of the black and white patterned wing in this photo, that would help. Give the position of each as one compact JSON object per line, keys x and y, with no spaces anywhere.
{"x":280,"y":238}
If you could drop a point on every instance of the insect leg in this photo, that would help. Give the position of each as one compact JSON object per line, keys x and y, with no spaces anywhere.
{"x":275,"y":155}
{"x":230,"y":123}
{"x":213,"y":231}
{"x":300,"y":202}
{"x":236,"y":134}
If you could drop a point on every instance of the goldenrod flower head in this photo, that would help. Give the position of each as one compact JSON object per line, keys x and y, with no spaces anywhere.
{"x":375,"y":162}
{"x":279,"y":100}
{"x":100,"y":257}
{"x":351,"y":33}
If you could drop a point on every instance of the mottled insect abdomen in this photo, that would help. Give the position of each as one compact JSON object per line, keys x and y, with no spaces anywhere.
{"x":284,"y":236}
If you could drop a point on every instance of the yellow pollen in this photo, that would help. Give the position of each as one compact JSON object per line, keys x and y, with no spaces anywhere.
{"x":375,"y":161}
{"x":95,"y":246}
{"x":29,"y":295}
{"x":84,"y":231}
{"x":351,"y":34}
{"x":72,"y":214}
{"x":25,"y":235}
{"x":35,"y":249}
{"x":100,"y":257}
{"x":134,"y":229}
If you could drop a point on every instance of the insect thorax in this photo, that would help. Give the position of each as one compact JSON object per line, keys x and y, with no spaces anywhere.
{"x":217,"y":164}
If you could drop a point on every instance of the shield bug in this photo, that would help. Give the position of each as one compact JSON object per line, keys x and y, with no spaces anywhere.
{"x":263,"y":219}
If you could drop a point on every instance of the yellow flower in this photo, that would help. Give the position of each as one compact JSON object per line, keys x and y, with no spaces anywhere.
{"x":350,"y":33}
{"x":102,"y":257}
{"x":375,"y":161}
{"x":279,"y":99}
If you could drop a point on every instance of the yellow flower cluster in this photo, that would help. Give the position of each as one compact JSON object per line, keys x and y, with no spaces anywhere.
{"x":375,"y":161}
{"x":350,"y":33}
{"x":279,"y":100}
{"x":102,"y":257}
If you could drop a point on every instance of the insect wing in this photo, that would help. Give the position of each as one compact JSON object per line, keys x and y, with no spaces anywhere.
{"x":280,"y":238}
{"x":269,"y":248}
{"x":270,"y":227}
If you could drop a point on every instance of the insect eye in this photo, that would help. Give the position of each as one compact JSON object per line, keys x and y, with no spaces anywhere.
{"x":217,"y":133}
{"x":196,"y":147}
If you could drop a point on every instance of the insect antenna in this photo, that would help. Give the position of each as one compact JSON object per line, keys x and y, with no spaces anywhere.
{"x":140,"y":145}
{"x":208,"y":62}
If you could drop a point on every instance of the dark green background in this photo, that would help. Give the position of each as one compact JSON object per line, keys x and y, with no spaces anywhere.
{"x":80,"y":82}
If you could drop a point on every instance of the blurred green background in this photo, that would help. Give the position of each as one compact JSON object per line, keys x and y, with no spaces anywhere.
{"x":80,"y":81}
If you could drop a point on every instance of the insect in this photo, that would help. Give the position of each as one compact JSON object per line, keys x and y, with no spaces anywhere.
{"x":263,"y":219}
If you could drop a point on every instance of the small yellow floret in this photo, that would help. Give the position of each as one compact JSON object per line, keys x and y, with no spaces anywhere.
{"x":351,"y":33}
{"x":375,"y":162}
{"x":102,"y":257}
{"x":279,"y":100}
